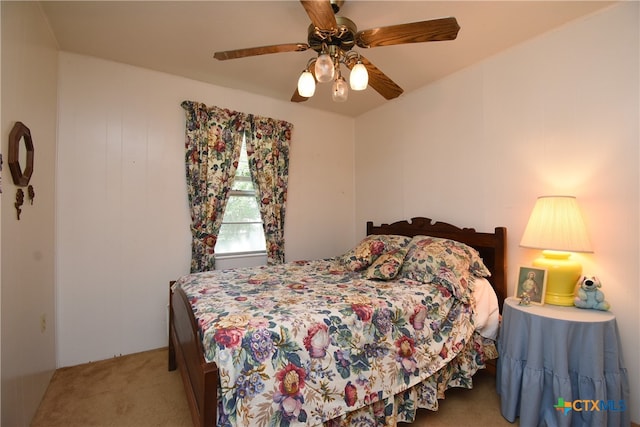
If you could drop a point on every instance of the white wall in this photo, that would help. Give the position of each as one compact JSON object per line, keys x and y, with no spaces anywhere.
{"x":123,"y":221}
{"x":557,"y":115}
{"x":29,"y":81}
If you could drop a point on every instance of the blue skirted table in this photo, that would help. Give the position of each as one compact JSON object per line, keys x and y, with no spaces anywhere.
{"x":561,"y":366}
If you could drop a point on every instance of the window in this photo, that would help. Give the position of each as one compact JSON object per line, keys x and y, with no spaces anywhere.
{"x":241,"y":230}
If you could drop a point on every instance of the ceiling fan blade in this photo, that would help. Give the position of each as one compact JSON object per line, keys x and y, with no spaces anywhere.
{"x":321,"y":13}
{"x":416,"y":32}
{"x":379,"y":80}
{"x":263,"y":50}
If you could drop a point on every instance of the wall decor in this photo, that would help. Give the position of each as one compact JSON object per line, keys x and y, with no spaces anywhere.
{"x":31,"y":193}
{"x":19,"y":202}
{"x":20,"y":135}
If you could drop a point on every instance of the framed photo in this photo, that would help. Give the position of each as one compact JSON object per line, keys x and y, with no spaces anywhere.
{"x":532,"y":283}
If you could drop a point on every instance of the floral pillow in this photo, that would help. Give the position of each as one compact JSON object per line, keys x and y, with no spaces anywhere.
{"x":476,"y":264}
{"x":445,"y":262}
{"x":370,"y":248}
{"x":387,"y":266}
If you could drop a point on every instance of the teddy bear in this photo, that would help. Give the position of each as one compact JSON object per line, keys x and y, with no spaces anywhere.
{"x":589,"y":295}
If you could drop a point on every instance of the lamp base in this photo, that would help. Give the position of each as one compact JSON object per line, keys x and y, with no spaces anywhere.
{"x":562,"y":275}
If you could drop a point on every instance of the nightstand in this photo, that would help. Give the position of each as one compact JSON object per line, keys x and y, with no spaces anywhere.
{"x":561,"y":366}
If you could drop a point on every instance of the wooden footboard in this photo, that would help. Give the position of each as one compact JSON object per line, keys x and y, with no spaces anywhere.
{"x":186,"y":353}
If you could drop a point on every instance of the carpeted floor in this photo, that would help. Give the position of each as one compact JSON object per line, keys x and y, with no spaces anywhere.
{"x":138,"y":391}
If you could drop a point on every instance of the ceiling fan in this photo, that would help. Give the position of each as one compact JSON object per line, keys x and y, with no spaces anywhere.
{"x":333,"y":38}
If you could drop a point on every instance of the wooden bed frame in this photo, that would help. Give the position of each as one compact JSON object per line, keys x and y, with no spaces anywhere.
{"x":200,"y":378}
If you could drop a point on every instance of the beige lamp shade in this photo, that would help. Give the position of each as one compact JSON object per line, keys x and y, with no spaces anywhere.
{"x":556,"y":224}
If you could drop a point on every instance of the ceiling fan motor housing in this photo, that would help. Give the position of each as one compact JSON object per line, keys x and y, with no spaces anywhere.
{"x":343,"y":37}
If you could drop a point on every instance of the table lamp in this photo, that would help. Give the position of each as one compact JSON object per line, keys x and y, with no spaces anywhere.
{"x":556,"y":226}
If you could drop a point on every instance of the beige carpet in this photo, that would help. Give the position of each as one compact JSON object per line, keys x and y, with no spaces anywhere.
{"x":138,"y":391}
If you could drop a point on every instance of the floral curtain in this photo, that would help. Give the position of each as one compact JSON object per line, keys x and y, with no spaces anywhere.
{"x":213,"y":139}
{"x":268,"y":155}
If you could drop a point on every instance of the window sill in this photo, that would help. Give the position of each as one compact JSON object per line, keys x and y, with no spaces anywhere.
{"x":240,"y":260}
{"x":235,"y":255}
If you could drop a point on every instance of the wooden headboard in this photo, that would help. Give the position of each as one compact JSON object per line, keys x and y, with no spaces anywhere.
{"x":491,"y":246}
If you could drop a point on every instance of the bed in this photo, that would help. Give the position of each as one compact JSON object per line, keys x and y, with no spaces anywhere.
{"x":364,"y":338}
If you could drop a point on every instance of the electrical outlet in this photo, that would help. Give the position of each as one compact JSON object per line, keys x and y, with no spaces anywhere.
{"x":43,"y":323}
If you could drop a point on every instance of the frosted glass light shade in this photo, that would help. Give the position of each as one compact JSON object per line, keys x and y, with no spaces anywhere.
{"x":340,"y":90}
{"x":306,"y":84}
{"x":324,"y":68}
{"x":557,"y":227}
{"x":359,"y":78}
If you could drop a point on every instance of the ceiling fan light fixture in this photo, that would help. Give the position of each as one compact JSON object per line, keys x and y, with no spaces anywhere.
{"x":306,"y":84}
{"x":324,"y":68}
{"x":359,"y":78}
{"x":340,"y":90}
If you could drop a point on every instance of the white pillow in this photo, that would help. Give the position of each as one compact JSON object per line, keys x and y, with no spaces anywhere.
{"x":487,"y":313}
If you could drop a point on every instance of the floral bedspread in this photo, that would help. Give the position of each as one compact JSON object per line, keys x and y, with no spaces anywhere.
{"x":307,"y":342}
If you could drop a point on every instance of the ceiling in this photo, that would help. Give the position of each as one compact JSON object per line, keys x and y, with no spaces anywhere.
{"x":180,"y":37}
